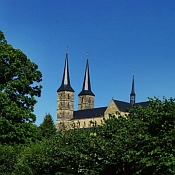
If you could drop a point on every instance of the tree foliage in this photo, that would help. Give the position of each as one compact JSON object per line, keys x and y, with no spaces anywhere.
{"x":18,"y":89}
{"x":152,"y":132}
{"x":47,"y":129}
{"x":8,"y":158}
{"x":139,"y":143}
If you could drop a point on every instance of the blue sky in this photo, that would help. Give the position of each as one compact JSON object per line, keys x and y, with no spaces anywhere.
{"x":119,"y":35}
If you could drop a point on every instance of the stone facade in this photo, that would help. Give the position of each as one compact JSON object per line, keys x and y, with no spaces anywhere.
{"x":113,"y":109}
{"x":80,"y":123}
{"x":65,"y":105}
{"x":85,"y":102}
{"x":88,"y":121}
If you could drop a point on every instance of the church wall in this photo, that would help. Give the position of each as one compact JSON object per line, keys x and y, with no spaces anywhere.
{"x":85,"y":102}
{"x":86,"y":123}
{"x":112,"y":109}
{"x":65,"y":105}
{"x":81,"y":123}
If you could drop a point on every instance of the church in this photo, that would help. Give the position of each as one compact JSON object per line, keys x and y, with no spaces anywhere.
{"x":86,"y":113}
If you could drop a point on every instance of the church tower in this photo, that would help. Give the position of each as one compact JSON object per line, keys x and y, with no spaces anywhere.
{"x":65,"y":96}
{"x":132,"y":94}
{"x":86,"y":96}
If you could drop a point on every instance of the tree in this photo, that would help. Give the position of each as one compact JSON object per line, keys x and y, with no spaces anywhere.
{"x":141,"y":142}
{"x":47,"y":128}
{"x":8,"y":158}
{"x":18,"y":89}
{"x":151,"y":138}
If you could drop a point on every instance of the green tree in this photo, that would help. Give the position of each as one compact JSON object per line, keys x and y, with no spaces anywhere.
{"x":8,"y":158}
{"x":18,"y":89}
{"x":47,"y":128}
{"x":151,"y":138}
{"x":47,"y":157}
{"x":141,"y":142}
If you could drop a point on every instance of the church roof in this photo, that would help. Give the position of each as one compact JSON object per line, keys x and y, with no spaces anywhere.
{"x":143,"y":104}
{"x":98,"y":112}
{"x":89,"y":113}
{"x":124,"y":106}
{"x":86,"y":89}
{"x":65,"y":85}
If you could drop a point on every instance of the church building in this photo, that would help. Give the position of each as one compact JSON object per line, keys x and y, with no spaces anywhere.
{"x":86,"y":113}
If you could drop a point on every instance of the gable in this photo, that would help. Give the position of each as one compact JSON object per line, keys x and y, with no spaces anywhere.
{"x":111,"y":109}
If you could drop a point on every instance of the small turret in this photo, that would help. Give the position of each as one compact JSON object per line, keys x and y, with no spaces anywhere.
{"x":132,"y":94}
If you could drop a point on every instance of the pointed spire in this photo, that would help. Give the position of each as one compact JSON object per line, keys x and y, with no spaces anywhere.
{"x":65,"y":85}
{"x":132,"y":95}
{"x":86,"y":89}
{"x":133,"y":89}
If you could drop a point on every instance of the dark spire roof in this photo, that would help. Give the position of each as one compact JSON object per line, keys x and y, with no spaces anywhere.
{"x":65,"y":85}
{"x":86,"y":90}
{"x":132,"y":89}
{"x":132,"y":94}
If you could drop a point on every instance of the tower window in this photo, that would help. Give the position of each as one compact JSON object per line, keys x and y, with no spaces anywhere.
{"x":60,"y":105}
